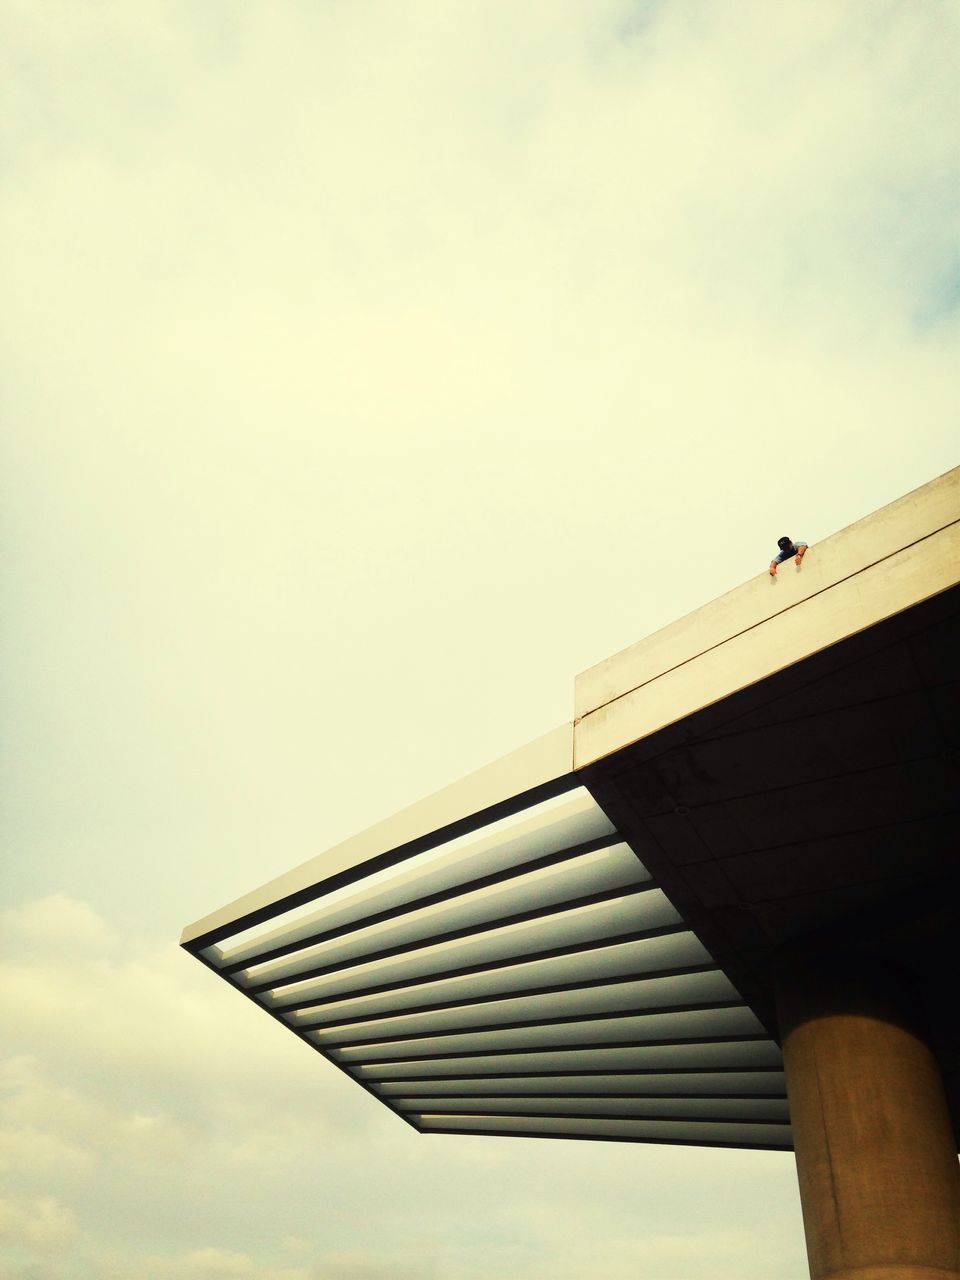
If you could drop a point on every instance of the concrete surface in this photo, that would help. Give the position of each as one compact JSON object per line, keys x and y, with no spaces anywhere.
{"x":891,"y":560}
{"x":878,"y":1172}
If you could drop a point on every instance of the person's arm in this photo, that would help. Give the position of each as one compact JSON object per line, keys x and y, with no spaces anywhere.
{"x":801,"y":552}
{"x":773,"y":568}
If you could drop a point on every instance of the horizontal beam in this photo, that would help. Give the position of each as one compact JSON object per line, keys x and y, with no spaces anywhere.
{"x":894,"y":559}
{"x":539,"y":771}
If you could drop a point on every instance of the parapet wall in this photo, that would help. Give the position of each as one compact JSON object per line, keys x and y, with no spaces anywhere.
{"x":885,"y":563}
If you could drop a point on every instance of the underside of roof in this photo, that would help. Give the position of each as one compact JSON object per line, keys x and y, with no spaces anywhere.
{"x":528,"y":978}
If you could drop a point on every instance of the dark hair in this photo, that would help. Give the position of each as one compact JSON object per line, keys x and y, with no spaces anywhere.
{"x":783,"y":543}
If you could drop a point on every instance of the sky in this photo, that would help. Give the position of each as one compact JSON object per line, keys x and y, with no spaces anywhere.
{"x":369,"y":369}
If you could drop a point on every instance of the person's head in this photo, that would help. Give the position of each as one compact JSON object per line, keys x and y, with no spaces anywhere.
{"x":784,"y":544}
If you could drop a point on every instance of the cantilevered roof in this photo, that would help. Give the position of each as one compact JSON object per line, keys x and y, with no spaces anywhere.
{"x":579,"y":940}
{"x":525,"y":976}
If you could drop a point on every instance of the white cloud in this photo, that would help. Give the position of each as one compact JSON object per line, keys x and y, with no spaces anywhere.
{"x":158,"y":1018}
{"x":361,"y":1266}
{"x":38,"y":1224}
{"x":183,"y":1136}
{"x":55,"y":924}
{"x":215,"y":1264}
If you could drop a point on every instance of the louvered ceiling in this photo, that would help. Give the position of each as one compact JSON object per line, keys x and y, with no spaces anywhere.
{"x":528,"y":978}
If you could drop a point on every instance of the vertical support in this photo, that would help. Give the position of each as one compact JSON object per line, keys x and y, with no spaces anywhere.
{"x":876,"y":1156}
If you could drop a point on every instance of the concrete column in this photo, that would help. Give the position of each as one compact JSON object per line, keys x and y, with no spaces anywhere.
{"x":876,"y":1156}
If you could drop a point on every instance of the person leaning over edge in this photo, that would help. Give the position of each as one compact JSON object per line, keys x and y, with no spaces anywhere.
{"x":788,"y":548}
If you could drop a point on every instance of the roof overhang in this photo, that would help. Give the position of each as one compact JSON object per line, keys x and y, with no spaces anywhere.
{"x":504,"y":963}
{"x":577,"y":941}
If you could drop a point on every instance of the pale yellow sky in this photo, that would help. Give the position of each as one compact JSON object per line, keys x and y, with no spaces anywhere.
{"x":369,"y":369}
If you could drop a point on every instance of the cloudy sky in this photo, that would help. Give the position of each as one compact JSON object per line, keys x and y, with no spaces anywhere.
{"x":370,"y":367}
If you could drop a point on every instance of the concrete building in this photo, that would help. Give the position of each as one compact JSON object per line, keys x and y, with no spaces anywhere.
{"x":719,"y":907}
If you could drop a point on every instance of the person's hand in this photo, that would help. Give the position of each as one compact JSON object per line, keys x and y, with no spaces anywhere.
{"x":799,"y":557}
{"x":773,"y":570}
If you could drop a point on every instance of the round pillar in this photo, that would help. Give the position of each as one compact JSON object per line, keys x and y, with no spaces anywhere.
{"x":876,"y":1156}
